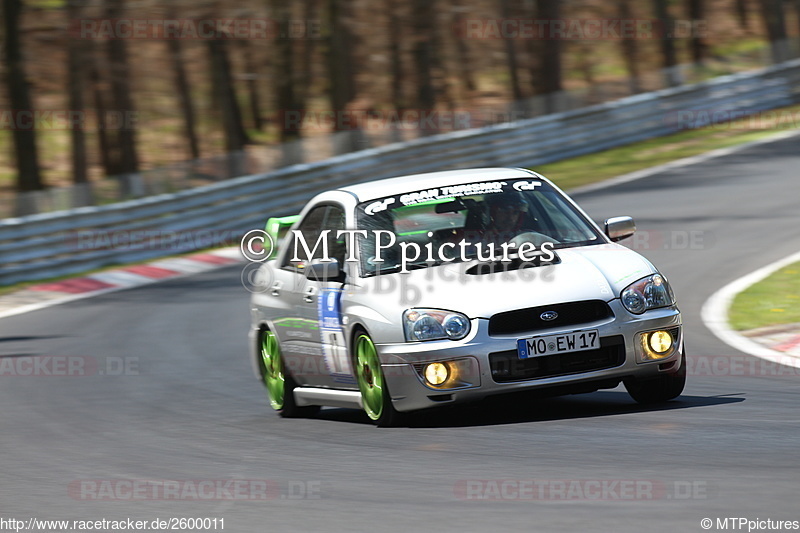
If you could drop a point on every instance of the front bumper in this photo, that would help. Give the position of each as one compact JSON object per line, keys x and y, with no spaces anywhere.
{"x":617,"y":359}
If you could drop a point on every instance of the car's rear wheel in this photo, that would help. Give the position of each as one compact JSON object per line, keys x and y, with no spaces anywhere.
{"x":280,"y":384}
{"x":372,"y":383}
{"x":660,"y":389}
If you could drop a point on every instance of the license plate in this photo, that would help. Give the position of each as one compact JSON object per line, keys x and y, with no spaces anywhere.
{"x":577,"y":341}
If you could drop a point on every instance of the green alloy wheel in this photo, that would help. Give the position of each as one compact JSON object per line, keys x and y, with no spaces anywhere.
{"x":280,"y":384}
{"x":273,"y":370}
{"x":372,"y":383}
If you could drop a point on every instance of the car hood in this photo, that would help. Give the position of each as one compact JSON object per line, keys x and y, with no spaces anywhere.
{"x":597,"y":272}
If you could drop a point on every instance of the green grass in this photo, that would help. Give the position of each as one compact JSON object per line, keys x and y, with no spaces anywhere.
{"x":747,"y":45}
{"x":773,"y":301}
{"x":592,"y":168}
{"x":47,"y":4}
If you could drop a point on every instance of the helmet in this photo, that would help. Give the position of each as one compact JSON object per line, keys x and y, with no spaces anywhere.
{"x":506,"y":199}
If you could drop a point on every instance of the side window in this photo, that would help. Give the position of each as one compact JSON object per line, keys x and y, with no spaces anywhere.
{"x":335,"y":221}
{"x":324,"y":217}
{"x":310,"y":228}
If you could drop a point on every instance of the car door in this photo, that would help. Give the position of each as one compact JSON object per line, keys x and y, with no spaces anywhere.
{"x":321,"y":301}
{"x":311,"y":334}
{"x":297,"y":330}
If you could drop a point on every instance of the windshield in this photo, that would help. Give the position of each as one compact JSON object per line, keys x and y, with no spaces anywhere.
{"x":467,"y":219}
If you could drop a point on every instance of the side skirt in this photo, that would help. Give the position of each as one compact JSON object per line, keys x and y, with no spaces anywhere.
{"x":333,"y":398}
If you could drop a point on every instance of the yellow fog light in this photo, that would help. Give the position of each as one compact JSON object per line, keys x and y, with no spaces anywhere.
{"x":436,"y":373}
{"x":660,"y":341}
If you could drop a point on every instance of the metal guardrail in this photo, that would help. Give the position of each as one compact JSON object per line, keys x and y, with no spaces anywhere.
{"x":66,"y":242}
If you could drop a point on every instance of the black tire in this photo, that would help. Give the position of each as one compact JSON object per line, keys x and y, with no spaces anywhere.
{"x":660,"y":389}
{"x":278,"y":381}
{"x":290,"y":408}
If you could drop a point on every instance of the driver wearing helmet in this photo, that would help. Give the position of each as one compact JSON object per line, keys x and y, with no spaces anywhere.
{"x":506,"y":217}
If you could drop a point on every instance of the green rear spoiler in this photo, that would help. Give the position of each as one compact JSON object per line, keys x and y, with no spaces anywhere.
{"x":276,"y":228}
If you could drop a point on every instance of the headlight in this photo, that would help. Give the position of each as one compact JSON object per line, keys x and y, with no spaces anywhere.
{"x":432,"y":324}
{"x":651,"y":292}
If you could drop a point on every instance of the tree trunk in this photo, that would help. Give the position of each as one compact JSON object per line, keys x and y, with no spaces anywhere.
{"x":184,"y":95}
{"x":462,"y":50}
{"x":775,"y":21}
{"x":289,"y":110}
{"x":76,"y":56}
{"x":699,"y":47}
{"x":395,"y":55}
{"x":630,"y":49}
{"x":670,"y":61}
{"x":27,"y":157}
{"x":511,"y":55}
{"x":340,"y":63}
{"x":550,"y":79}
{"x":422,"y":15}
{"x":741,"y":14}
{"x":121,"y":93}
{"x":533,"y":50}
{"x":341,"y":76}
{"x":225,"y":96}
{"x":398,"y":73}
{"x":797,"y":17}
{"x":108,"y":152}
{"x":306,"y":68}
{"x":441,"y":80}
{"x":586,"y":62}
{"x":252,"y":84}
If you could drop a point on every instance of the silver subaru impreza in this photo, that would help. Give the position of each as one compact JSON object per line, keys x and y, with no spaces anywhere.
{"x":427,"y":290}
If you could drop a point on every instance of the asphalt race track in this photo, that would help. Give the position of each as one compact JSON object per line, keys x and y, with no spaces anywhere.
{"x":188,"y":408}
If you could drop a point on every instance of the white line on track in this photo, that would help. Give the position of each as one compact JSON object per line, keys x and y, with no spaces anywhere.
{"x":715,"y":314}
{"x":680,"y":163}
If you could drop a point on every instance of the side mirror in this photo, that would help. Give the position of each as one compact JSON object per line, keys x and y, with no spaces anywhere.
{"x":618,"y":228}
{"x":320,"y":270}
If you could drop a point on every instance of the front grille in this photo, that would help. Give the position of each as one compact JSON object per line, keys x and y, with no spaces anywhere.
{"x":569,"y":314}
{"x":507,"y":366}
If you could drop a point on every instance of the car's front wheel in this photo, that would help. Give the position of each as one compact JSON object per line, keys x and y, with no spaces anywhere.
{"x":660,"y":389}
{"x":372,"y":383}
{"x":280,"y":384}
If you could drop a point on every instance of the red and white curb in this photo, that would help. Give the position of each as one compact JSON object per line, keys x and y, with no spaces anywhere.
{"x":48,"y":294}
{"x":785,"y":350}
{"x":784,"y":338}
